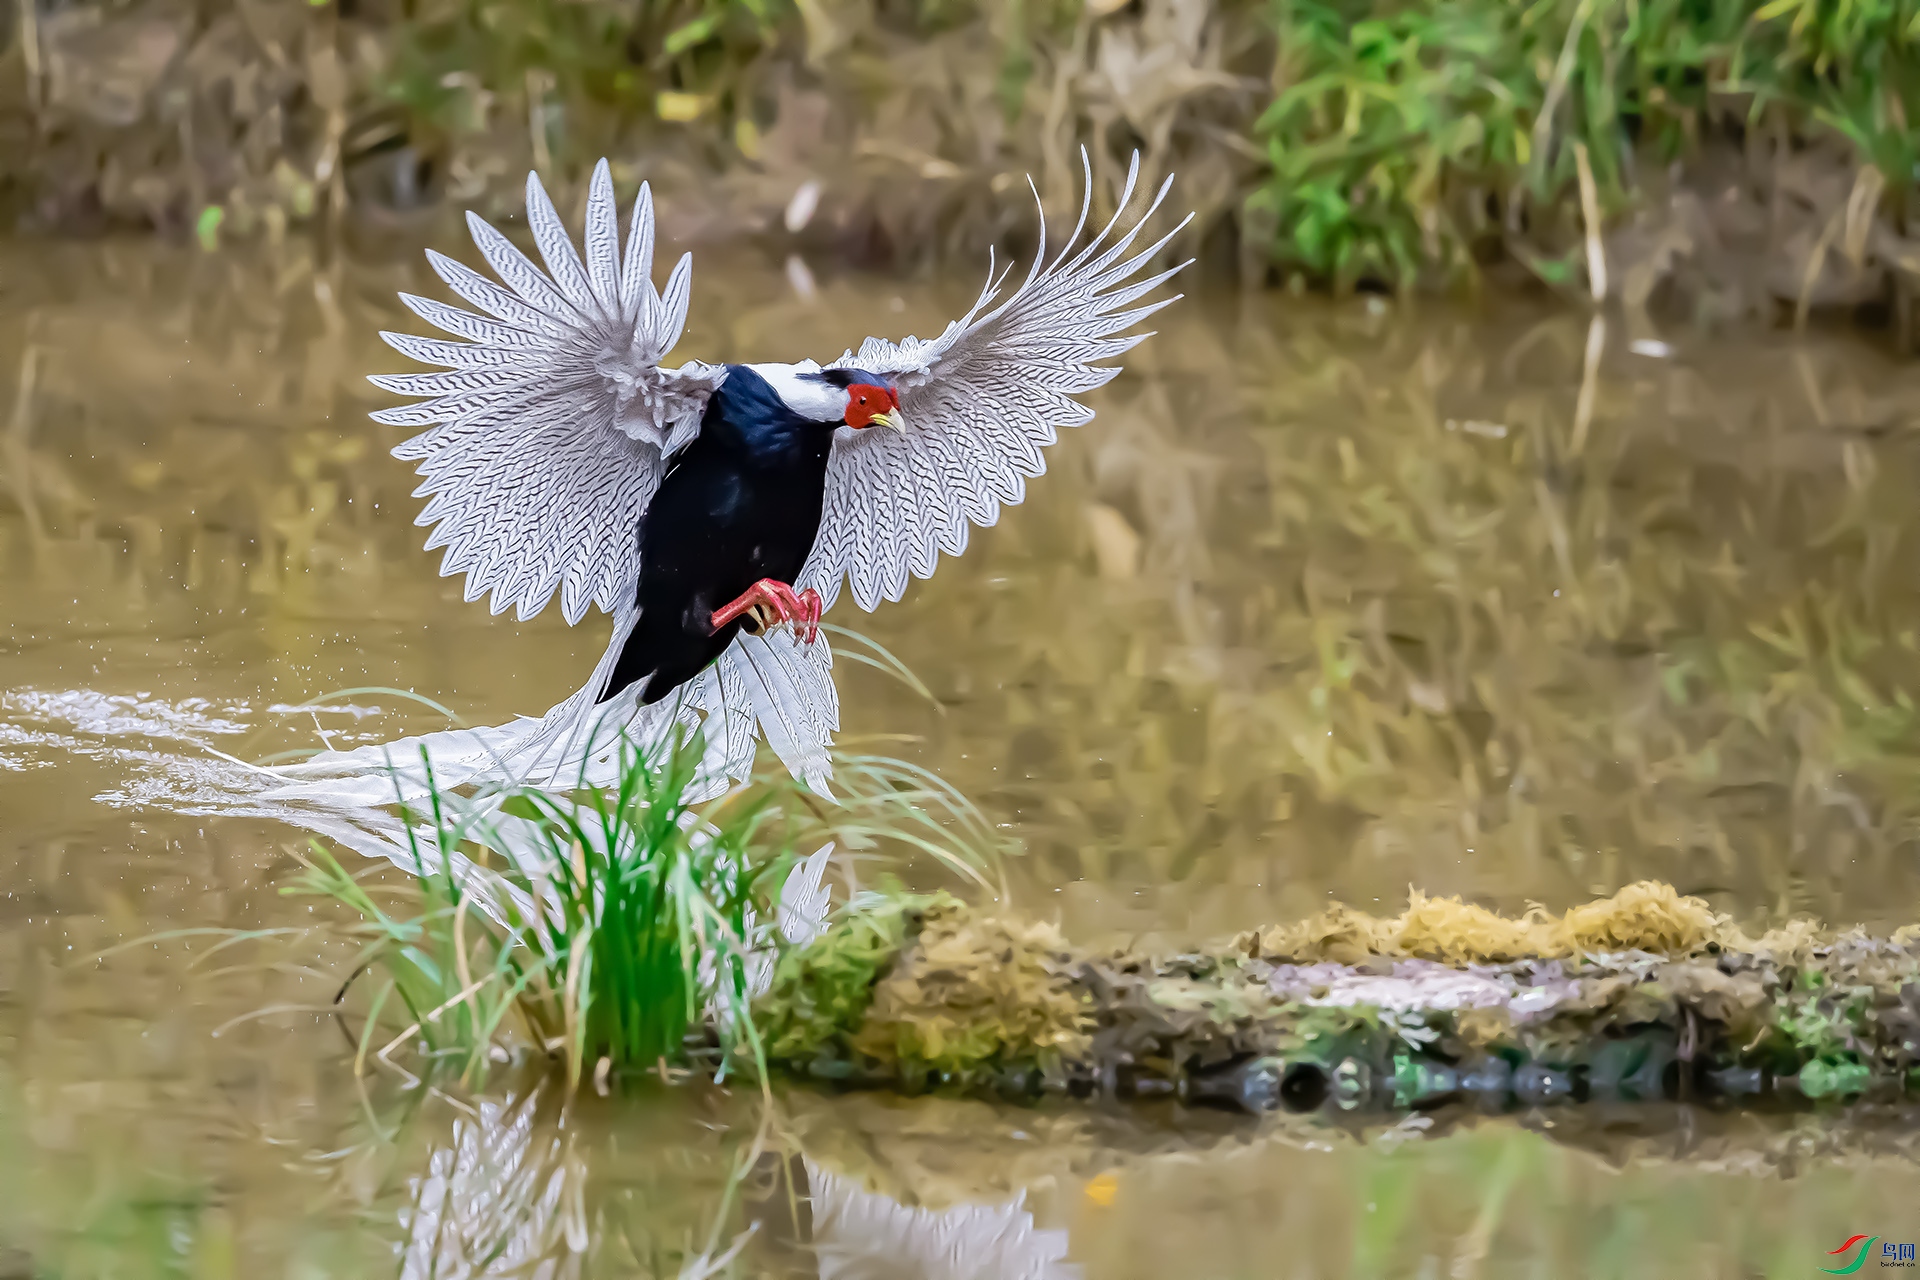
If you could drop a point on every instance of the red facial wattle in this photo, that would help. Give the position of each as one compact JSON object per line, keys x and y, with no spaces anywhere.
{"x":867,"y":402}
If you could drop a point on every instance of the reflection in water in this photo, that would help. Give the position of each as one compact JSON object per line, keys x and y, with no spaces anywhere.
{"x":537,"y":1186}
{"x":861,"y":1235}
{"x":1329,"y":600}
{"x":505,"y":1197}
{"x":1150,"y":1192}
{"x":962,"y":1190}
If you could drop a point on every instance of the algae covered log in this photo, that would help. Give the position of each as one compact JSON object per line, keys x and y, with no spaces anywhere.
{"x":1644,"y":995}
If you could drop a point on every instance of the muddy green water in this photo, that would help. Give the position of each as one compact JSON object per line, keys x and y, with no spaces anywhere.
{"x":1330,"y":600}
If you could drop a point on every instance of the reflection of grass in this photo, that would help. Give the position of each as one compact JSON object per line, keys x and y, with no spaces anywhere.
{"x":605,"y":924}
{"x":1578,"y":647}
{"x":1401,"y":619}
{"x":148,"y":1229}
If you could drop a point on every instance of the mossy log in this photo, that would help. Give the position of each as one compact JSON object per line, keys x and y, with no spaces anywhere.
{"x":1645,"y":995}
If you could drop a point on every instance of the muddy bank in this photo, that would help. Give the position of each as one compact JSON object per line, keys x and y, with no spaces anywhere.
{"x":1736,"y":162}
{"x":911,"y":132}
{"x":1644,"y":996}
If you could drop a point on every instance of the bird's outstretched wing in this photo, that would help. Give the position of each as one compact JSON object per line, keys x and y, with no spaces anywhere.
{"x":980,"y":402}
{"x":546,"y":435}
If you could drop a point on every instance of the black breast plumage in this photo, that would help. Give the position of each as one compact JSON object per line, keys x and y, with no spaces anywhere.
{"x":739,"y":504}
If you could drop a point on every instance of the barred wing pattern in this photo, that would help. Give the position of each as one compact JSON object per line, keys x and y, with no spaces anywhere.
{"x":980,"y":403}
{"x":547,"y":432}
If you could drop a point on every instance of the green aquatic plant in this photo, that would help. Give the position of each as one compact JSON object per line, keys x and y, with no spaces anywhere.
{"x":423,"y":953}
{"x":614,"y":913}
{"x":614,"y":925}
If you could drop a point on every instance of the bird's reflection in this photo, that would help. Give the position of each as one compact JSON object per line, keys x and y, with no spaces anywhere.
{"x":503,"y":1196}
{"x":536,"y":1187}
{"x":863,"y":1235}
{"x":823,"y":1224}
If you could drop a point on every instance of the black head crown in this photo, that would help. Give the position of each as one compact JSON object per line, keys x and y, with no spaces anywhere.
{"x":847,"y":378}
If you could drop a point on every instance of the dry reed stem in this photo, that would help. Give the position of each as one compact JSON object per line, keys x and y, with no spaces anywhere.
{"x":1590,"y":215}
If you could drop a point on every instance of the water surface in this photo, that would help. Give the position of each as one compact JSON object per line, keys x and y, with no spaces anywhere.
{"x":1330,"y":600}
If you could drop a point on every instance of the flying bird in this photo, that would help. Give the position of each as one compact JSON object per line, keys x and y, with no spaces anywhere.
{"x":561,"y":456}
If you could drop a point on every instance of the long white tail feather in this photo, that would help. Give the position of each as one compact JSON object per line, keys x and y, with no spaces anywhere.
{"x":769,"y":685}
{"x":790,"y":687}
{"x":571,"y":743}
{"x":802,"y":910}
{"x":772,"y":681}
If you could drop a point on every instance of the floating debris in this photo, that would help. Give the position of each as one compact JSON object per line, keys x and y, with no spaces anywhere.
{"x":1643,"y":996}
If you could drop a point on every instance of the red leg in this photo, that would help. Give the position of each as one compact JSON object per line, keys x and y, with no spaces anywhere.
{"x":801,"y":611}
{"x":776,"y":597}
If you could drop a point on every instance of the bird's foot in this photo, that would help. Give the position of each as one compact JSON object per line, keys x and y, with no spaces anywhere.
{"x":807,"y":627}
{"x":769,"y":603}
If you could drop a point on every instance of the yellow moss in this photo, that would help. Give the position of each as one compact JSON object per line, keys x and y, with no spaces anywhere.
{"x":1792,"y":942}
{"x":973,"y":988}
{"x":1647,"y":916}
{"x":1457,"y":932}
{"x":1339,"y":934}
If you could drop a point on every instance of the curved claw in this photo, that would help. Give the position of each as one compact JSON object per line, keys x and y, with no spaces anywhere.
{"x":809,"y":611}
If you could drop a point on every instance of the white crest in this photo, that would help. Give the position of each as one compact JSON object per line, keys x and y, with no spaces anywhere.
{"x":809,"y":397}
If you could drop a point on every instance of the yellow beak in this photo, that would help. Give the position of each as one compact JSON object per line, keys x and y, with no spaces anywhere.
{"x":893,"y":419}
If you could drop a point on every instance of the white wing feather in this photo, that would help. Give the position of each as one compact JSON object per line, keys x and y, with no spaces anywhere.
{"x":980,"y":402}
{"x":548,"y":431}
{"x":545,"y":442}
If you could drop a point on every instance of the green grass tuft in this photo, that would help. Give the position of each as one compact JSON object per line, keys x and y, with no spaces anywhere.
{"x":623,"y":927}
